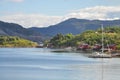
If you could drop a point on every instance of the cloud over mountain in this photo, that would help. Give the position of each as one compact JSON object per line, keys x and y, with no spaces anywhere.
{"x":97,"y":12}
{"x":32,"y":20}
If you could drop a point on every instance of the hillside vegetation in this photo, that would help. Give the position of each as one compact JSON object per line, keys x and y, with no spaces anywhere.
{"x":91,"y":37}
{"x":36,"y":34}
{"x":13,"y":29}
{"x":10,"y":41}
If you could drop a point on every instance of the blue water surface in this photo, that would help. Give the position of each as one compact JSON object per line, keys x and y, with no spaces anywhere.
{"x":44,"y":64}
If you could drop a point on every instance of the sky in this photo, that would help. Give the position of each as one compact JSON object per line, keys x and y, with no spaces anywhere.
{"x":43,"y":13}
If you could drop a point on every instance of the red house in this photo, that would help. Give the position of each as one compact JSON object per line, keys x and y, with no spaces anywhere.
{"x":111,"y":47}
{"x":97,"y":47}
{"x":83,"y":47}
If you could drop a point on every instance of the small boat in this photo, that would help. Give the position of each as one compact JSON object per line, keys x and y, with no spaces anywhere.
{"x":101,"y":54}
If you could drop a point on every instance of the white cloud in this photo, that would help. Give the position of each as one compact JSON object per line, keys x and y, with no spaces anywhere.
{"x":98,"y":12}
{"x":31,"y":20}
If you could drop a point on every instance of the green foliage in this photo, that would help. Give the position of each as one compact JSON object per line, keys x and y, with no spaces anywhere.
{"x":10,"y":41}
{"x":61,"y":40}
{"x":111,"y":36}
{"x":114,"y":29}
{"x":118,"y":47}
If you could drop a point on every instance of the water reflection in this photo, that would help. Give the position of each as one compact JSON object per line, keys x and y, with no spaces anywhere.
{"x":43,"y":64}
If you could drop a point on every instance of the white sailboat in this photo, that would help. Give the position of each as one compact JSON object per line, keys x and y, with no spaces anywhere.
{"x":100,"y":54}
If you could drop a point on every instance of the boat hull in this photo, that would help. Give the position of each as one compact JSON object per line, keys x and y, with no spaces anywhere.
{"x":100,"y":55}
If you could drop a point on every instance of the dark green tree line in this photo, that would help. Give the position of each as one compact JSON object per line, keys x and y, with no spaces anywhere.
{"x":111,"y":36}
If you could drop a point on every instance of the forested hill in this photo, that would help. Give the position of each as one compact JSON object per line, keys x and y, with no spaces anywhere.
{"x":90,"y":37}
{"x":10,"y":41}
{"x":75,"y":26}
{"x":12,"y":29}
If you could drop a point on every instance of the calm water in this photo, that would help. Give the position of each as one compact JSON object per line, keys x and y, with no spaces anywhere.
{"x":43,"y":64}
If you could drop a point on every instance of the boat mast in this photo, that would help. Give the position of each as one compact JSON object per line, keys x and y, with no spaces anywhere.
{"x":102,"y":53}
{"x":102,"y":39}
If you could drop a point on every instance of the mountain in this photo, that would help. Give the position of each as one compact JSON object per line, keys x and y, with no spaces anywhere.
{"x":12,"y":29}
{"x":75,"y":26}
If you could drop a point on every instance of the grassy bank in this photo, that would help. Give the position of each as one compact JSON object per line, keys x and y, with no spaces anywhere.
{"x":10,"y":41}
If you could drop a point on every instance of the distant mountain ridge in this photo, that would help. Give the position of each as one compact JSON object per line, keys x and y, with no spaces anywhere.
{"x":75,"y":26}
{"x":12,"y":29}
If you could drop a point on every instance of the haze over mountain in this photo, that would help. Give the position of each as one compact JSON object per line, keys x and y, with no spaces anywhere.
{"x":44,"y":20}
{"x":12,"y":29}
{"x":75,"y":26}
